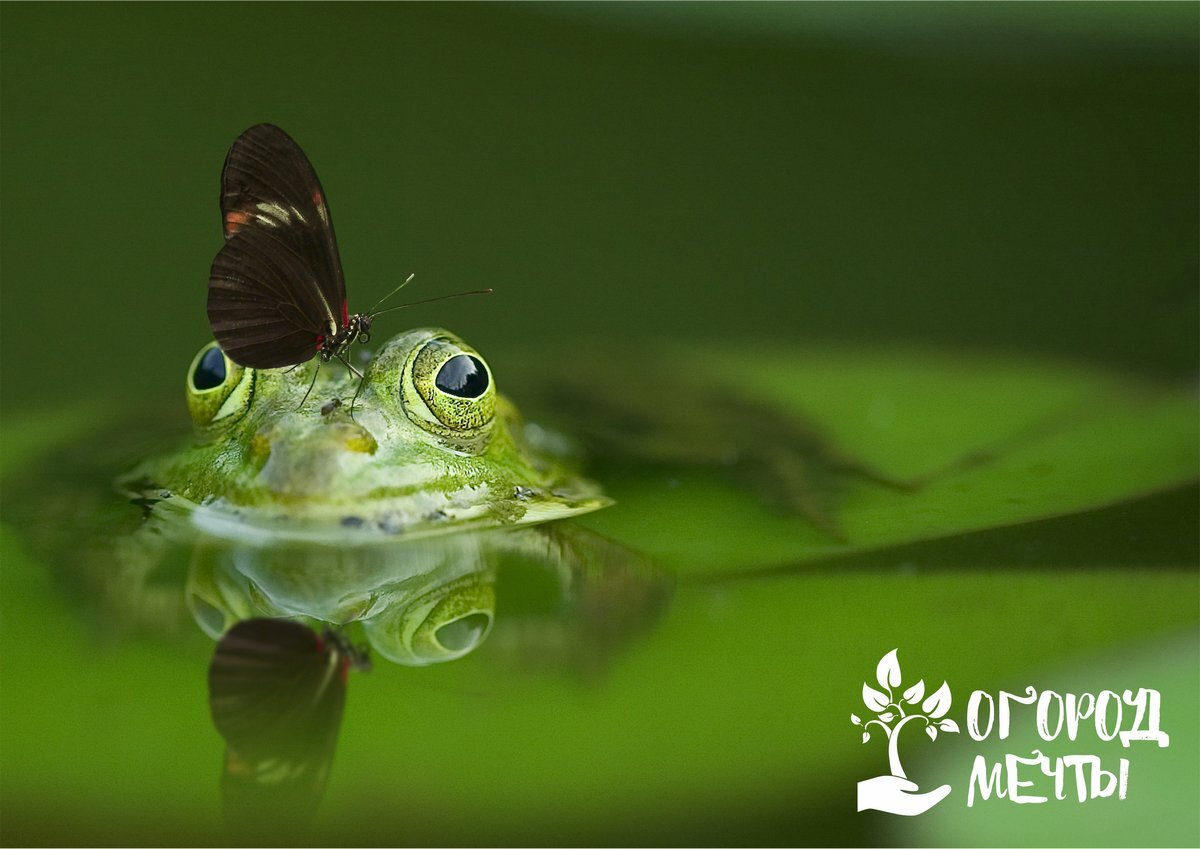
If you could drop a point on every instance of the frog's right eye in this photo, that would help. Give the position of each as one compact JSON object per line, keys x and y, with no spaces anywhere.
{"x":218,"y":389}
{"x":210,"y":370}
{"x":449,"y":621}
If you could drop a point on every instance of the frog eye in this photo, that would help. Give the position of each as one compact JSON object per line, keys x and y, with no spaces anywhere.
{"x":462,"y":376}
{"x":218,"y":389}
{"x":454,"y":392}
{"x":446,"y":623}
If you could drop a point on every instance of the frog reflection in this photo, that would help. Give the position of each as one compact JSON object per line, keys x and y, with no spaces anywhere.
{"x":572,"y":598}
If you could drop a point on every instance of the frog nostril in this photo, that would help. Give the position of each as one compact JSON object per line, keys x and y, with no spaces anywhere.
{"x":355,"y":438}
{"x":260,"y":445}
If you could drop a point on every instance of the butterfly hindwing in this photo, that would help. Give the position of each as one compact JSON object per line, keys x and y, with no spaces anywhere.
{"x":263,"y":306}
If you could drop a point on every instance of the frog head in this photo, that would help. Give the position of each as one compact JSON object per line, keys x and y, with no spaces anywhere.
{"x":425,"y":444}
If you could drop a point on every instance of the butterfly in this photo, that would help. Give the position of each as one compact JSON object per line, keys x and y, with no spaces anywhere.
{"x":276,"y":292}
{"x":277,"y":690}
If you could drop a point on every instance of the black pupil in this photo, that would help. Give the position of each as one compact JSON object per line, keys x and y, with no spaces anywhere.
{"x":463,"y":633}
{"x":463,"y":376}
{"x":210,"y":371}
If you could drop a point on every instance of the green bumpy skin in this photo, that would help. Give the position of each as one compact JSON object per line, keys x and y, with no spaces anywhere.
{"x":281,"y":451}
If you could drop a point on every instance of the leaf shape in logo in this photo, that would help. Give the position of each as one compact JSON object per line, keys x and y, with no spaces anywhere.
{"x":915,"y":693}
{"x":854,"y":718}
{"x":866,"y":736}
{"x":948,"y":725}
{"x":887,"y":673}
{"x":887,"y":717}
{"x":936,"y":705}
{"x":931,"y":731}
{"x":874,"y":699}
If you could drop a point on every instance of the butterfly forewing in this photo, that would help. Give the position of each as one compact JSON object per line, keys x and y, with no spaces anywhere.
{"x":268,"y":187}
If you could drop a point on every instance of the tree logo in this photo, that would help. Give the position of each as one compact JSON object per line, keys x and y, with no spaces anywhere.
{"x":894,"y":710}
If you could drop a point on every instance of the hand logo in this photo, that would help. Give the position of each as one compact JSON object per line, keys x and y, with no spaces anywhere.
{"x":894,"y":793}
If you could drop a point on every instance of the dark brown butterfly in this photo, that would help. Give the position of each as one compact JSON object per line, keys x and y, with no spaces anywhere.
{"x":277,"y":690}
{"x":276,"y":293}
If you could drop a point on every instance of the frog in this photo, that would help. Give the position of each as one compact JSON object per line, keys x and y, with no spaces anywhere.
{"x":424,"y":445}
{"x":389,"y":502}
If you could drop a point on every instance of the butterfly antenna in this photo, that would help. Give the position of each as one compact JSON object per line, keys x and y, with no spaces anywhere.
{"x":431,"y":300}
{"x":407,"y":280}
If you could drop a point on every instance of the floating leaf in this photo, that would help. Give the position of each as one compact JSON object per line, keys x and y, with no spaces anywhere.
{"x":854,"y":718}
{"x":866,"y":736}
{"x":931,"y":731}
{"x":948,"y":725}
{"x":887,"y":673}
{"x":874,"y":699}
{"x":937,"y":704}
{"x":994,"y":442}
{"x":914,"y":693}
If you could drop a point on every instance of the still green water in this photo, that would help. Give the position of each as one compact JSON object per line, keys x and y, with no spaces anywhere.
{"x":960,"y":243}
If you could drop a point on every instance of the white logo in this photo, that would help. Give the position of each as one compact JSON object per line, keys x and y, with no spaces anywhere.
{"x":893,"y":792}
{"x":1110,"y":716}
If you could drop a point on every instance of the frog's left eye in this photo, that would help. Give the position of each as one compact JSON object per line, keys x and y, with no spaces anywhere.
{"x":450,"y":391}
{"x":218,"y":389}
{"x":463,"y":376}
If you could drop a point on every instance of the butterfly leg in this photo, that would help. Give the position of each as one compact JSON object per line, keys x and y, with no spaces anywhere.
{"x":313,"y":383}
{"x":361,"y":380}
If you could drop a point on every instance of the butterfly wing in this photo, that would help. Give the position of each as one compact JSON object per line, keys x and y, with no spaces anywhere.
{"x":268,"y":186}
{"x":264,"y":305}
{"x":275,"y":684}
{"x":277,"y":692}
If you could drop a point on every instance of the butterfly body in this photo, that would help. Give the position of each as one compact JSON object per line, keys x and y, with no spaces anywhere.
{"x":355,"y":328}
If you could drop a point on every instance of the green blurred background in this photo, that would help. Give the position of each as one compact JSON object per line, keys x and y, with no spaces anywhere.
{"x":999,"y":176}
{"x":966,"y":177}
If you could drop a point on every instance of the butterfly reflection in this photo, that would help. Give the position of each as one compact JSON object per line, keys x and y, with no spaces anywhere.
{"x":277,"y":689}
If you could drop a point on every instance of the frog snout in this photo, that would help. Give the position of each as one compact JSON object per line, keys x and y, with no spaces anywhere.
{"x":312,"y":461}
